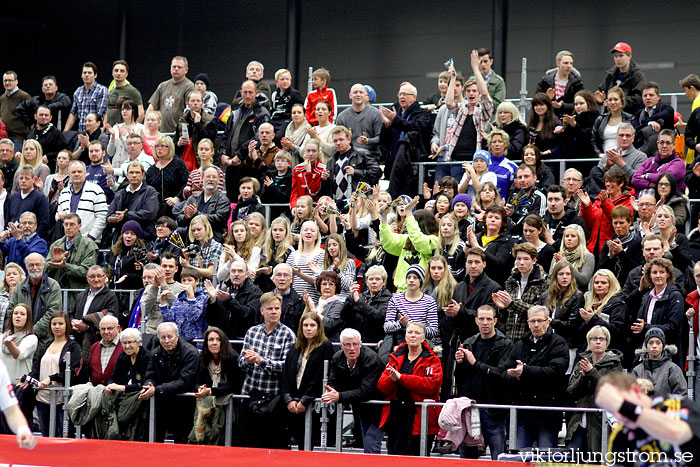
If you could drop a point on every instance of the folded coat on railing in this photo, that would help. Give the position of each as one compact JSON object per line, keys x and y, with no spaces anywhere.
{"x":85,"y":402}
{"x":462,"y":422}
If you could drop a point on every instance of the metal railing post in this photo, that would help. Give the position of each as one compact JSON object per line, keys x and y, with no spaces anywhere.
{"x":52,"y":415}
{"x":152,"y":420}
{"x":424,"y":428}
{"x":562,"y":170}
{"x":690,"y":374}
{"x":604,"y":434}
{"x":308,"y":431}
{"x":339,"y":427}
{"x":324,"y":409}
{"x":674,"y":102}
{"x":310,"y":84}
{"x":229,"y":423}
{"x":513,"y":430}
{"x":421,"y":178}
{"x":268,"y":213}
{"x":64,"y":292}
{"x":522,"y":104}
{"x":66,"y":393}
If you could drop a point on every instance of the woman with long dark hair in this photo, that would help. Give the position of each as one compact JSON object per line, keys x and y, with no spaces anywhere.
{"x":541,"y":125}
{"x":667,"y":192}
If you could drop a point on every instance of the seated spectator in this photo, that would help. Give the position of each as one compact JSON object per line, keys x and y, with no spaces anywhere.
{"x":367,"y":310}
{"x":499,"y":164}
{"x":187,"y":311}
{"x":583,"y":432}
{"x":276,"y":249}
{"x":257,"y":224}
{"x":210,"y":203}
{"x":597,"y":213}
{"x":127,"y":256}
{"x":93,"y":132}
{"x":307,"y":176}
{"x":572,"y":182}
{"x":32,"y":157}
{"x":578,"y":125}
{"x":282,"y":101}
{"x":623,"y":252}
{"x":105,"y":352}
{"x":355,"y":370}
{"x":295,"y":135}
{"x":477,"y":174}
{"x":49,"y":368}
{"x":119,"y":133}
{"x":486,"y":197}
{"x":562,"y":83}
{"x":653,"y":246}
{"x":70,"y":256}
{"x":322,"y":131}
{"x":137,"y":202}
{"x":326,"y":215}
{"x":535,"y":368}
{"x":665,"y":312}
{"x":495,"y":242}
{"x":303,"y":375}
{"x":128,"y":378}
{"x":168,"y":176}
{"x":12,"y":275}
{"x":542,"y":124}
{"x":95,"y":171}
{"x":87,"y":200}
{"x":277,"y":182}
{"x":44,"y":301}
{"x":209,"y":99}
{"x":152,"y":121}
{"x":55,"y":182}
{"x":165,"y":226}
{"x":164,"y":278}
{"x":258,"y":156}
{"x":534,"y":232}
{"x":172,"y":371}
{"x":523,"y":290}
{"x":336,"y":259}
{"x":675,"y":242}
{"x":606,"y":126}
{"x":646,"y":212}
{"x":665,"y":160}
{"x":218,"y":376}
{"x":263,"y":368}
{"x":525,"y":199}
{"x":292,"y":303}
{"x":203,"y":252}
{"x":248,"y":201}
{"x":420,"y":368}
{"x":626,"y":75}
{"x":233,"y":306}
{"x":657,"y":367}
{"x":27,"y":199}
{"x":91,"y":305}
{"x":573,"y":249}
{"x":508,"y":120}
{"x":134,"y":151}
{"x":308,"y":251}
{"x":238,"y":246}
{"x":19,"y":241}
{"x":131,"y":317}
{"x":651,"y":119}
{"x":328,"y":305}
{"x":623,"y":155}
{"x":563,"y":299}
{"x":533,"y":157}
{"x":667,"y":193}
{"x":8,"y":164}
{"x":49,"y":137}
{"x":461,"y":204}
{"x":195,"y":183}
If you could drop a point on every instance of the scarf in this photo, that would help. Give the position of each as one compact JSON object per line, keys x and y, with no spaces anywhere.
{"x":522,"y":198}
{"x":18,"y":338}
{"x":324,"y":302}
{"x":215,"y":373}
{"x":627,"y":238}
{"x":574,"y":257}
{"x":297,"y":136}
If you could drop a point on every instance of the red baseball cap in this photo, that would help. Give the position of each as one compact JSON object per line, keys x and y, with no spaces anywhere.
{"x":622,"y":47}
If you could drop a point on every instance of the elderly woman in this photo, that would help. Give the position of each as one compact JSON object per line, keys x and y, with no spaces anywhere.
{"x":302,"y":379}
{"x":366,"y":311}
{"x":657,"y":367}
{"x":414,"y":373}
{"x":168,"y":176}
{"x":329,"y":304}
{"x":508,"y":120}
{"x":584,"y":429}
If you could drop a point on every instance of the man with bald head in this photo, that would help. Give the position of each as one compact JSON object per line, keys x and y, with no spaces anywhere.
{"x":363,"y":120}
{"x":104,"y":354}
{"x":259,"y":154}
{"x":242,"y":125}
{"x":234,"y":305}
{"x":292,"y":303}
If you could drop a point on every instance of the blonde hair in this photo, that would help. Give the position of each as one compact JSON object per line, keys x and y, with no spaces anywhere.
{"x":201,"y":219}
{"x":342,"y":252}
{"x":511,"y":109}
{"x":168,"y":141}
{"x":446,"y":287}
{"x":453,"y":244}
{"x":245,"y":248}
{"x":592,"y":302}
{"x":308,"y":200}
{"x":597,"y":329}
{"x":263,"y":227}
{"x":580,"y":248}
{"x":3,"y":285}
{"x":276,"y":251}
{"x":317,"y":243}
{"x":39,"y":155}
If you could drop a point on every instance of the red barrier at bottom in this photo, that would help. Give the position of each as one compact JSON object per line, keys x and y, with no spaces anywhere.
{"x":71,"y":452}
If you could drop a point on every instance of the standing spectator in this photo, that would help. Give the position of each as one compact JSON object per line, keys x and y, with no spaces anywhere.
{"x":105,"y":352}
{"x":665,"y":160}
{"x":87,"y":99}
{"x":559,"y":215}
{"x":8,"y":164}
{"x":508,"y":120}
{"x":49,"y":137}
{"x":535,"y":372}
{"x":308,"y":251}
{"x":605,"y":127}
{"x":321,"y":79}
{"x":651,"y":119}
{"x":28,"y":199}
{"x":496,"y":84}
{"x":578,"y":125}
{"x":209,"y":99}
{"x":657,"y":367}
{"x":532,"y":156}
{"x":172,"y":371}
{"x":170,"y":96}
{"x":203,"y":252}
{"x":295,"y":135}
{"x":691,"y":88}
{"x":58,"y":102}
{"x":624,"y":74}
{"x":573,"y":249}
{"x":86,"y":199}
{"x":93,"y":133}
{"x":542,"y":126}
{"x":265,"y":349}
{"x":292,"y":303}
{"x":323,"y":130}
{"x":187,"y":311}
{"x":364,"y":122}
{"x":495,"y":242}
{"x":168,"y":176}
{"x":623,"y":252}
{"x":164,"y":278}
{"x":32,"y":157}
{"x":121,"y":91}
{"x":10,"y":99}
{"x":562,"y":83}
{"x":366,"y":311}
{"x":624,"y":155}
{"x":199,"y":125}
{"x":605,"y":306}
{"x":563,"y":299}
{"x":347,"y":167}
{"x":283,"y":100}
{"x":210,"y":202}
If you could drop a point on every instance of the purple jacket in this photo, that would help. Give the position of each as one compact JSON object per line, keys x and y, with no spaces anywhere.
{"x":654,"y":167}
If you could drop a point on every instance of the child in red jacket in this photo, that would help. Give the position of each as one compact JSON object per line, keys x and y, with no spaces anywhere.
{"x":321,"y":78}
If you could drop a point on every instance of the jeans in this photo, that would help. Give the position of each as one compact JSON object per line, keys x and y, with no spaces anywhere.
{"x":454,"y":170}
{"x":44,"y":411}
{"x":533,"y":429}
{"x":493,"y":428}
{"x":372,"y":436}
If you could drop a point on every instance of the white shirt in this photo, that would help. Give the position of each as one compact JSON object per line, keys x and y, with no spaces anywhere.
{"x":7,"y":390}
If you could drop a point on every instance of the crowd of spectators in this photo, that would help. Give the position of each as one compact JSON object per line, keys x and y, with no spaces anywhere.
{"x":500,"y":282}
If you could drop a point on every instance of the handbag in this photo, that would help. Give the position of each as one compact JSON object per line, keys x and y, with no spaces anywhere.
{"x":262,"y":404}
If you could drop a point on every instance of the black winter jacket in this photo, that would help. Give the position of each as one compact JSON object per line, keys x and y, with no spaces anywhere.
{"x":367,"y":314}
{"x":311,"y":385}
{"x":174,"y":373}
{"x":236,"y":315}
{"x":464,"y":322}
{"x":631,"y":85}
{"x":483,"y":381}
{"x":566,"y":320}
{"x":573,"y":86}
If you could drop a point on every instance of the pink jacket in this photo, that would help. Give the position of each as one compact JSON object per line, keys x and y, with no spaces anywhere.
{"x":460,"y":422}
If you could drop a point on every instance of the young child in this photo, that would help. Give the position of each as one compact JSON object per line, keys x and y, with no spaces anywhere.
{"x":437,"y":100}
{"x":283,"y":98}
{"x":277,"y":182}
{"x":209,"y":99}
{"x":303,"y":211}
{"x":187,"y":311}
{"x":321,"y":79}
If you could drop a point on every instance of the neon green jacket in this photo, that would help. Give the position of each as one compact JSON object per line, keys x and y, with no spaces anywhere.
{"x":394,"y":243}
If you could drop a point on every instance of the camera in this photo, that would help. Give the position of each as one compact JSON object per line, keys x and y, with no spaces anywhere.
{"x":192,"y":249}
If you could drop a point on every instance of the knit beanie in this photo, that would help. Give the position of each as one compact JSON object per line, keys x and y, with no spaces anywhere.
{"x":418,"y":270}
{"x":462,"y":198}
{"x":202,"y":77}
{"x":655,"y":332}
{"x":134,"y":227}
{"x":481,"y":154}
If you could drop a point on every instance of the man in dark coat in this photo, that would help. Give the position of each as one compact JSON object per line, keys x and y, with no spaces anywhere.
{"x":137,"y":202}
{"x":172,"y":371}
{"x":210,"y":202}
{"x":535,"y":372}
{"x":48,"y":135}
{"x":626,"y":75}
{"x":651,"y":119}
{"x":292,"y":304}
{"x":235,"y":306}
{"x":564,"y":75}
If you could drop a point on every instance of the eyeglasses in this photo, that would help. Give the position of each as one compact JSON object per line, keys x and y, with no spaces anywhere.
{"x":571,"y":180}
{"x":664,"y":184}
{"x":352,"y":344}
{"x":623,"y":135}
{"x":536,"y":321}
{"x":404,"y":94}
{"x":135,"y":143}
{"x":665,"y":143}
{"x":95,"y":276}
{"x":598,"y":339}
{"x":645,"y":205}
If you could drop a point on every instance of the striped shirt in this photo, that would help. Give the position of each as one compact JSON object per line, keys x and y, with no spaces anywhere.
{"x":422,"y":311}
{"x":297,"y":260}
{"x":92,"y":208}
{"x":273,"y":349}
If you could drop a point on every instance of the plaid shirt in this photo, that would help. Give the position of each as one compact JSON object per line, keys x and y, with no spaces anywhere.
{"x":483,"y":110}
{"x":209,"y":253}
{"x":273,"y":349}
{"x":87,"y":102}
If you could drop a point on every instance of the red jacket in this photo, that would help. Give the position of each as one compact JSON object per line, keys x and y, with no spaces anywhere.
{"x":598,"y":220}
{"x":423,"y":383}
{"x":97,"y":376}
{"x":325,"y":94}
{"x":306,"y":183}
{"x":693,"y":299}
